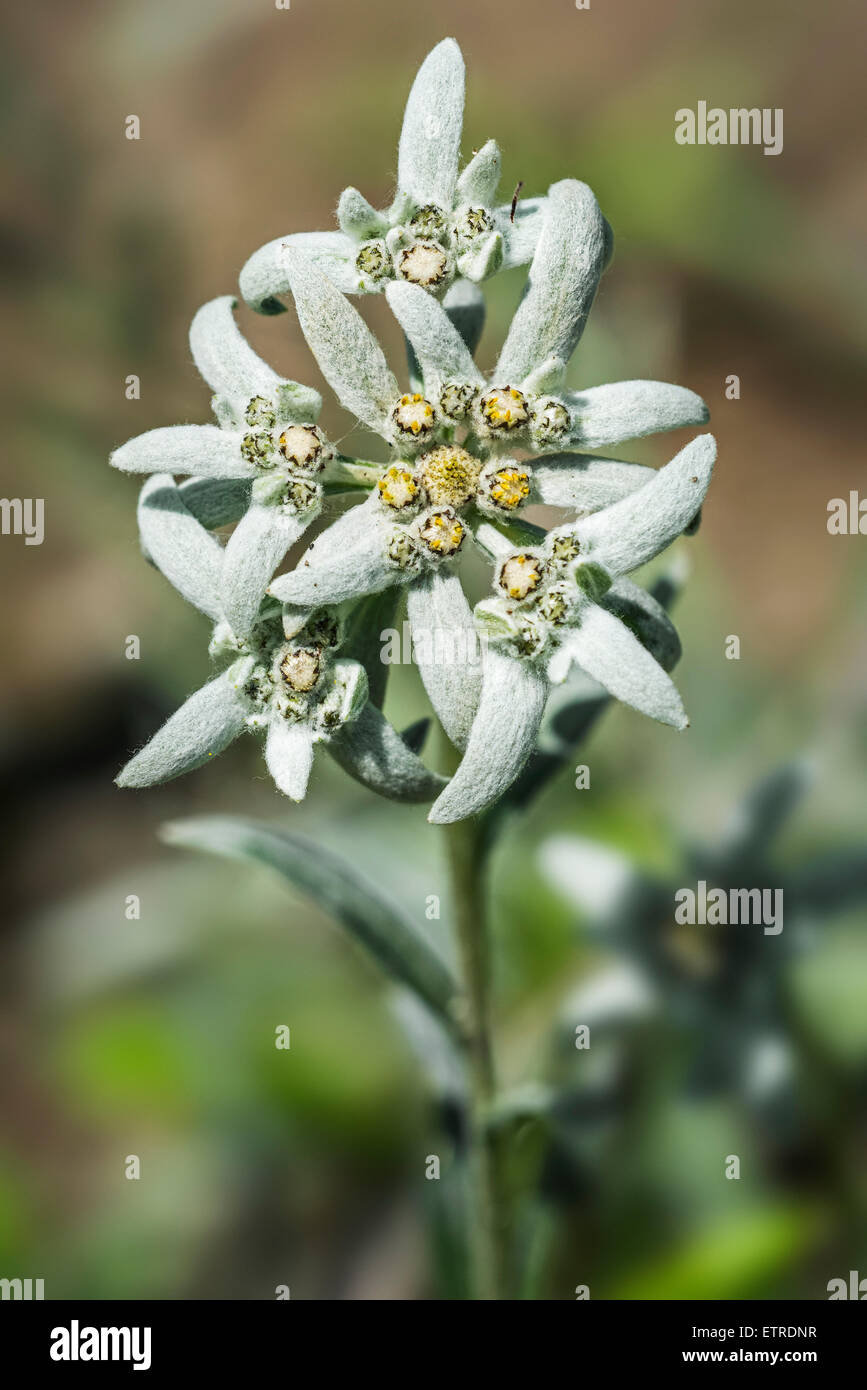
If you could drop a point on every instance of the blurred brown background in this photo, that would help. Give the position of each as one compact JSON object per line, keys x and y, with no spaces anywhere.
{"x":153,"y":1037}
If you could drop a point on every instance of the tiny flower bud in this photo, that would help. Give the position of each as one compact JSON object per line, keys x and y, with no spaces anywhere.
{"x":473,"y":223}
{"x":260,"y":413}
{"x":257,"y":688}
{"x":301,"y":667}
{"x":401,"y":549}
{"x":530,"y":637}
{"x":509,"y":488}
{"x":424,"y":263}
{"x":456,"y":399}
{"x":429,"y":223}
{"x":554,"y":606}
{"x":564,"y":549}
{"x":324,"y":628}
{"x":397,"y":487}
{"x":374,"y":261}
{"x":442,"y":533}
{"x":551,"y":421}
{"x":303,"y":447}
{"x":504,"y":408}
{"x":299,"y":495}
{"x":520,"y":575}
{"x":414,"y":416}
{"x":258,"y":449}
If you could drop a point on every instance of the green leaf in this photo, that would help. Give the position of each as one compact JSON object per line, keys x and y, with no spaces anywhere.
{"x":733,"y":1259}
{"x":392,"y":938}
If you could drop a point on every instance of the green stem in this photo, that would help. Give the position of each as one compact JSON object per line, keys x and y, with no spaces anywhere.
{"x":489,"y":1215}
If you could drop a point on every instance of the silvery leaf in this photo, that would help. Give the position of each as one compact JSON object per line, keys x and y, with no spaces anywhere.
{"x":349,"y":356}
{"x":561,"y":284}
{"x":446,"y":650}
{"x":265,"y":277}
{"x":430,"y":140}
{"x":634,"y":530}
{"x":374,"y":753}
{"x":502,"y":737}
{"x":206,"y":724}
{"x":188,"y":555}
{"x":289,"y":756}
{"x":255,"y":549}
{"x":224,"y":358}
{"x":381,"y":928}
{"x":622,"y":410}
{"x":202,"y":451}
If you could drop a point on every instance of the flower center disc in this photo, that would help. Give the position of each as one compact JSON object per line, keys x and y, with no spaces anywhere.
{"x":450,"y":475}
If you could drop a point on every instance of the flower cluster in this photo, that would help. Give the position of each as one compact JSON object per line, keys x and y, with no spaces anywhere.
{"x":467,"y":454}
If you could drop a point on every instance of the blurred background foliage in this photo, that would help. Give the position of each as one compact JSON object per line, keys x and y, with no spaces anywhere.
{"x":155,"y":1037}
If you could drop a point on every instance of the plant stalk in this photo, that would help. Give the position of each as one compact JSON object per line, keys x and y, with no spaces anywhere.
{"x":489,"y":1197}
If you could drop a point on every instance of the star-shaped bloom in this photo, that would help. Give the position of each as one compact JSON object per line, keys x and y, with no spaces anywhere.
{"x":441,"y":225}
{"x":546,"y":615}
{"x":267,"y":436}
{"x":524,"y":404}
{"x":454,"y":441}
{"x":298,"y":691}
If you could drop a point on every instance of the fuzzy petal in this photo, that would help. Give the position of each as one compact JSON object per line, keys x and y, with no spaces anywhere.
{"x":615,"y":658}
{"x":216,"y":501}
{"x":521,"y":237}
{"x":447,"y":652}
{"x":483,"y":260}
{"x":349,"y":356}
{"x":565,"y":271}
{"x":358,"y":218}
{"x":624,"y":410}
{"x":202,"y":451}
{"x":632,"y":531}
{"x":224,"y":357}
{"x":188,"y":555}
{"x":369,"y":625}
{"x":465,"y":305}
{"x":477,"y":185}
{"x":645,"y":616}
{"x":264,"y":277}
{"x":347,"y":560}
{"x":582,"y":482}
{"x":289,"y":756}
{"x":501,"y":740}
{"x":440,"y":350}
{"x":209,"y":721}
{"x":430,"y":140}
{"x":373,"y":752}
{"x":255,"y":549}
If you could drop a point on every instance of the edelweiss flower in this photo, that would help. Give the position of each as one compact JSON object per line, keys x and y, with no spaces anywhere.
{"x":547,"y":615}
{"x":297,"y":691}
{"x":267,"y":435}
{"x":440,"y":487}
{"x":439,"y":226}
{"x":524,"y":405}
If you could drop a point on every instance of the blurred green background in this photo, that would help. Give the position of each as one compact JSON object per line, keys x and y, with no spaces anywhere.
{"x":155,"y":1037}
